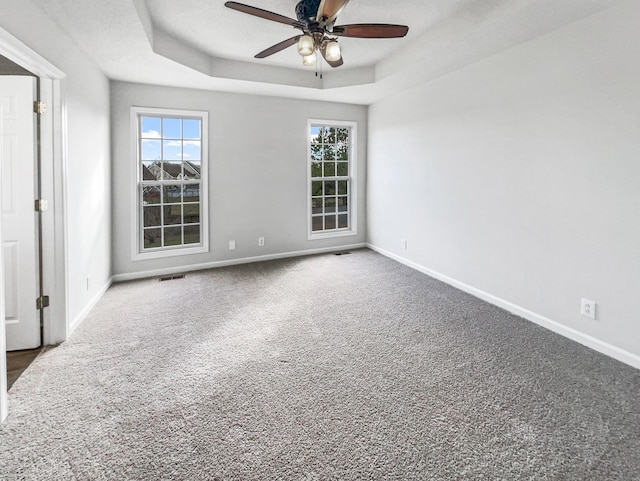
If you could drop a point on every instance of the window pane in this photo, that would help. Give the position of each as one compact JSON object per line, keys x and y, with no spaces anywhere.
{"x":329,"y":222}
{"x":172,"y":150}
{"x":329,"y":152}
{"x":330,"y":204}
{"x":191,"y":213}
{"x":330,"y":187}
{"x":150,"y":150}
{"x":342,"y":152}
{"x":329,"y":169}
{"x":316,"y":152}
{"x":172,"y":214}
{"x":316,"y":206}
{"x":150,"y":127}
{"x":316,"y":223}
{"x":191,"y":234}
{"x":171,"y":128}
{"x":171,"y":194}
{"x":191,"y":193}
{"x":151,"y":194}
{"x":315,"y":135}
{"x":151,"y":170}
{"x":172,"y":236}
{"x":172,"y":170}
{"x":191,"y":150}
{"x":152,"y":238}
{"x":191,"y":170}
{"x":152,"y":216}
{"x":323,"y":135}
{"x":191,"y":129}
{"x":343,"y":204}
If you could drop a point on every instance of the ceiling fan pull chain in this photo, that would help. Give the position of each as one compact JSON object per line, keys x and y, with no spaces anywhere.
{"x":320,"y":63}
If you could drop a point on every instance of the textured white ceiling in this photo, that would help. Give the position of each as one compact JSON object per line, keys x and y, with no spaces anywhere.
{"x":202,"y":44}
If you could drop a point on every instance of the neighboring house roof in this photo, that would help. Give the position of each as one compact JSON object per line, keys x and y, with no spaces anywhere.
{"x":170,"y":170}
{"x":146,"y":174}
{"x":194,"y":169}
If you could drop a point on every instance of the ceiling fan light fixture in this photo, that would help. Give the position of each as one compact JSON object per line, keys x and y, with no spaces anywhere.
{"x":305,"y":45}
{"x":332,"y":52}
{"x":309,"y":60}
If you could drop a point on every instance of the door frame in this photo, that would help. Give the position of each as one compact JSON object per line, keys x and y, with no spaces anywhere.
{"x":53,"y":178}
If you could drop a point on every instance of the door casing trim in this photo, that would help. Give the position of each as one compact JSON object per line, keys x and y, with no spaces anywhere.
{"x":53,"y":178}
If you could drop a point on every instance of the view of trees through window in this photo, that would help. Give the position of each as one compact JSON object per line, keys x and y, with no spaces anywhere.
{"x":170,"y":159}
{"x":330,"y":182}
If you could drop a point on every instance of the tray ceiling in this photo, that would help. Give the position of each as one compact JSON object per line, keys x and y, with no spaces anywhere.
{"x":202,"y":44}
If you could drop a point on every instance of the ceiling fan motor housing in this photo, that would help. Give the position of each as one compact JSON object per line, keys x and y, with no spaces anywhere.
{"x":306,"y":10}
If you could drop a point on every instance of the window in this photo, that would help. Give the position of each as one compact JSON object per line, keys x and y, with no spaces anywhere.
{"x":170,"y":193}
{"x":331,"y":167}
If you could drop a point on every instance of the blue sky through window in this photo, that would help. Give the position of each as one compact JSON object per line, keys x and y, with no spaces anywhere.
{"x":171,"y":139}
{"x":171,"y":128}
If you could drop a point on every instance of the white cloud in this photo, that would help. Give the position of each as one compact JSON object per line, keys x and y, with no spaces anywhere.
{"x":177,"y":143}
{"x":151,"y":134}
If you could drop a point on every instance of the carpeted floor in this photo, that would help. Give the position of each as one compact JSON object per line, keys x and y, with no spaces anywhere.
{"x":328,"y":367}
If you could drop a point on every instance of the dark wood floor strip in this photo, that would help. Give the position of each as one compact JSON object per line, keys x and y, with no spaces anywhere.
{"x":17,"y":362}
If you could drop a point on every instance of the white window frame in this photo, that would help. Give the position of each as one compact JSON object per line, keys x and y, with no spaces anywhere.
{"x":138,"y":252}
{"x":352,"y":230}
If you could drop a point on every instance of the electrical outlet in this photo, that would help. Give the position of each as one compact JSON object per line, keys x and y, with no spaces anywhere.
{"x":404,"y":243}
{"x":232,"y":245}
{"x":260,"y":241}
{"x":588,"y":308}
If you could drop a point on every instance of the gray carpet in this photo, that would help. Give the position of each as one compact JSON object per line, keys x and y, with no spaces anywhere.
{"x":328,"y":367}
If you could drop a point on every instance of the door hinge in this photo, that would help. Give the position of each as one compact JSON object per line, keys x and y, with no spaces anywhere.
{"x":42,"y":302}
{"x":41,"y":205}
{"x":39,"y":107}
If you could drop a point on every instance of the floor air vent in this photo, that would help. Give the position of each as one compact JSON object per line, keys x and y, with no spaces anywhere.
{"x":172,"y":277}
{"x":342,"y":253}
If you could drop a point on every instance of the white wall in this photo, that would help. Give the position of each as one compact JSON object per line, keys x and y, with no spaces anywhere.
{"x":519,"y":177}
{"x":86,"y":92}
{"x":257,"y":173}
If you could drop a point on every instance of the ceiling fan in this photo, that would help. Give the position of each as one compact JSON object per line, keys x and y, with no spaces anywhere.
{"x":316,"y":19}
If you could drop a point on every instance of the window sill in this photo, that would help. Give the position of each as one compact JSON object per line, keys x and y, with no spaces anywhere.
{"x":331,"y":235}
{"x":163,"y":253}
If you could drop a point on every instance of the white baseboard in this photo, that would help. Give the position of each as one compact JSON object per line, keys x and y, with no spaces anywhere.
{"x":85,"y":312}
{"x":231,"y":262}
{"x":580,"y":337}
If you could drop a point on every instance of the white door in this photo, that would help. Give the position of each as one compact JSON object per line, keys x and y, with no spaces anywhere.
{"x":22,"y":319}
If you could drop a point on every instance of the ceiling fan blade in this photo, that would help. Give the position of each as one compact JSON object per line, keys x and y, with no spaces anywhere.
{"x":258,"y":12}
{"x":329,"y":10}
{"x":335,"y":63}
{"x":370,"y":30}
{"x":278,"y":46}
